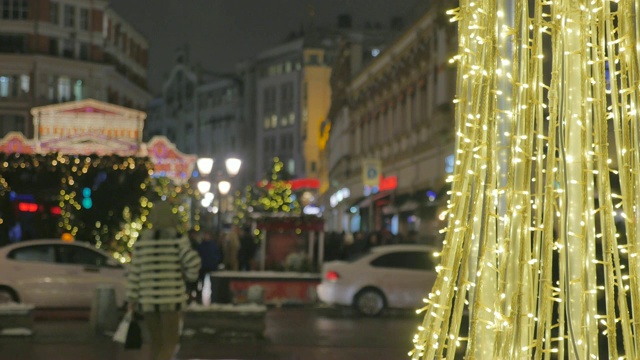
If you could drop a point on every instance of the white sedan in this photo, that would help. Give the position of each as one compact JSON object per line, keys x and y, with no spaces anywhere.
{"x":57,"y":274}
{"x":393,"y":276}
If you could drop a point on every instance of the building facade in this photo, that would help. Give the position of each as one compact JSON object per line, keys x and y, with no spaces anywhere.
{"x":173,"y":114}
{"x":293,"y":94}
{"x":59,"y":51}
{"x":204,"y":113}
{"x":397,"y":113}
{"x":278,"y":118}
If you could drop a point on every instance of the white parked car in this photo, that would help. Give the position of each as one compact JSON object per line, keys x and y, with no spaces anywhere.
{"x":57,"y":274}
{"x":389,"y":276}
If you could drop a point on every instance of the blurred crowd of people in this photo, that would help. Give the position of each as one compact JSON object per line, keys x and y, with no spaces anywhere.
{"x":236,"y":250}
{"x":232,"y":250}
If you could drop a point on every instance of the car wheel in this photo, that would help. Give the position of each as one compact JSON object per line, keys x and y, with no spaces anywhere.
{"x":8,"y":295}
{"x":369,"y":302}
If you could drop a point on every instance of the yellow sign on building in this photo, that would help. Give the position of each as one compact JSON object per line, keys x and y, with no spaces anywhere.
{"x":371,"y":171}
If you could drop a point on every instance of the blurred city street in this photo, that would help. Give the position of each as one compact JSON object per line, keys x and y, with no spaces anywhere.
{"x":292,"y":333}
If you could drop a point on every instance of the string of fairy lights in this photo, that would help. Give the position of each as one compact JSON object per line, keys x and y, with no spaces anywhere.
{"x":122,"y":185}
{"x":128,"y":187}
{"x":541,"y":243}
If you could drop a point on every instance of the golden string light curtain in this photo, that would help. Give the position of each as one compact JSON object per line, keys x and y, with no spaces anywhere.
{"x":540,"y":258}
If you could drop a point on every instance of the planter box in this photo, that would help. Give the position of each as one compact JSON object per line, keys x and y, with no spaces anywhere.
{"x":220,"y":318}
{"x":276,"y":288}
{"x":16,"y":320}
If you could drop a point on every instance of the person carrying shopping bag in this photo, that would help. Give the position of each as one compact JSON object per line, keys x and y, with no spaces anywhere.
{"x":162,"y":262}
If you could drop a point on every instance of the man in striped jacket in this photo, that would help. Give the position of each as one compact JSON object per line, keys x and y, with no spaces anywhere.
{"x":161,"y":262}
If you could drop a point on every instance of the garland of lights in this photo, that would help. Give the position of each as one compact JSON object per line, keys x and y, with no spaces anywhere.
{"x":275,"y":202}
{"x":531,"y":249}
{"x":122,"y":185}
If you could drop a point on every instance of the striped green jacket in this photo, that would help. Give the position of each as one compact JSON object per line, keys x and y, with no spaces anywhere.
{"x":158,"y":270}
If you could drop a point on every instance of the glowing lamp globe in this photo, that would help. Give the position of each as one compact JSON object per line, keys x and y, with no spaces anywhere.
{"x":224,"y":187}
{"x":205,"y":165}
{"x":233,"y":166}
{"x":204,"y":186}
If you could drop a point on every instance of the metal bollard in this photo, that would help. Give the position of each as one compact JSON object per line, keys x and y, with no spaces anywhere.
{"x":104,"y":313}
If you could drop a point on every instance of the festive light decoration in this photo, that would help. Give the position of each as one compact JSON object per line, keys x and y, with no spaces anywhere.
{"x":244,"y":205}
{"x":119,"y":191}
{"x":541,"y":249}
{"x":272,"y":203}
{"x":278,"y":197}
{"x":177,"y":195}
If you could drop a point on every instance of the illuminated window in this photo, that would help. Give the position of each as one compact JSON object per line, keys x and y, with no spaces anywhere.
{"x":286,"y":102}
{"x":78,"y":90}
{"x":267,"y":123}
{"x":4,"y":86}
{"x":291,"y":166}
{"x":24,"y":83}
{"x":64,"y":89}
{"x":269,"y":112}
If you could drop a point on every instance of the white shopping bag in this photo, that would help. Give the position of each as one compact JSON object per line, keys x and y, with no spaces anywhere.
{"x":121,"y":333}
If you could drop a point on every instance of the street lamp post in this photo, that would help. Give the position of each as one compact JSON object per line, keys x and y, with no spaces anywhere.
{"x":205,"y":167}
{"x":223,"y":188}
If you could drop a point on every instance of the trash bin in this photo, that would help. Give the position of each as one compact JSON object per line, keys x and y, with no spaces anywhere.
{"x":104,"y":312}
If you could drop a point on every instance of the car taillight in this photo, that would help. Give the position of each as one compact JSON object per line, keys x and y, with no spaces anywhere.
{"x":332,"y":276}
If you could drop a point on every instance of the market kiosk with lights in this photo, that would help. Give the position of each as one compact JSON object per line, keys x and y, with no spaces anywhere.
{"x":73,"y":135}
{"x":283,"y":235}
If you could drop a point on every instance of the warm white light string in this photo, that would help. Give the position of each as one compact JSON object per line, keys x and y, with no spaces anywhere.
{"x":531,"y":249}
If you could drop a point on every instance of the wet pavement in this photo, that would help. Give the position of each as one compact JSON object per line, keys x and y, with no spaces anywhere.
{"x":296,"y":333}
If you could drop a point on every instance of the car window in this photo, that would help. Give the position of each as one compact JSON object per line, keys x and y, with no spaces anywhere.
{"x":415,"y":260}
{"x":80,"y":256}
{"x":356,"y":257}
{"x":38,"y":253}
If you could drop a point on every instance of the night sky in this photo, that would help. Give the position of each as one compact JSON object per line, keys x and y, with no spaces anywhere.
{"x":221,"y":33}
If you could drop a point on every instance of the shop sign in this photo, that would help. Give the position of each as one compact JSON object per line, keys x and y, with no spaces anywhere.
{"x":371,"y":170}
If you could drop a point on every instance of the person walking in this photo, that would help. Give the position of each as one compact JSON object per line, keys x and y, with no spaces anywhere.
{"x":247,"y":249}
{"x":231,"y":248}
{"x":192,"y":287}
{"x":161,"y":262}
{"x":210,"y":257}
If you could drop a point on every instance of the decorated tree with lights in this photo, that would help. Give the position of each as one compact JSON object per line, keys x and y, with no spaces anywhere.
{"x":277,"y":196}
{"x":539,"y":249}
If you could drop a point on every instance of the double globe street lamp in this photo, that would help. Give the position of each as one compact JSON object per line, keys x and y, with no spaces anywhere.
{"x":205,"y":167}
